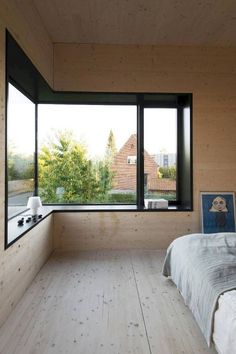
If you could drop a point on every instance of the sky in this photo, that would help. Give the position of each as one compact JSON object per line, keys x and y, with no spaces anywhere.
{"x":90,"y":124}
{"x":20,"y":122}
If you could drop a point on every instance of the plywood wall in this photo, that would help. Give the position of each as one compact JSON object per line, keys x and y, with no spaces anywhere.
{"x":210,"y":74}
{"x":24,"y":24}
{"x":21,"y":262}
{"x":119,"y":230}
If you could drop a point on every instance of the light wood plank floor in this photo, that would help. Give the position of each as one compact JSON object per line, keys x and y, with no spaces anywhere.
{"x":102,"y":302}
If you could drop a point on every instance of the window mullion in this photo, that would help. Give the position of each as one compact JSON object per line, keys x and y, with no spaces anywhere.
{"x":36,"y":152}
{"x":140,"y":157}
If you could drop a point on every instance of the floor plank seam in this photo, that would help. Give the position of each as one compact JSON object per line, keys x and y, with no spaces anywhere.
{"x":140,"y":304}
{"x":102,"y":302}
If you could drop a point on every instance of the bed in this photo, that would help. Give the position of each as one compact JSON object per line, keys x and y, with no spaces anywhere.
{"x":224,"y":334}
{"x":203,"y":267}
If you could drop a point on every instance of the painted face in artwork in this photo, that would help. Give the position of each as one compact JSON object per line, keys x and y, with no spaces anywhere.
{"x":218,"y":205}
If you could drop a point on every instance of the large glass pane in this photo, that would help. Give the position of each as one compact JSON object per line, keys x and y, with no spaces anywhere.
{"x":20,"y":150}
{"x":87,"y":154}
{"x":160,"y":145}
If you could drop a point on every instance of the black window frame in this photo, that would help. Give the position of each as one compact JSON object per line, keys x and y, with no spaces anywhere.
{"x":22,"y":74}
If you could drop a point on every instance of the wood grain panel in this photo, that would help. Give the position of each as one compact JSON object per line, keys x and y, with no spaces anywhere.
{"x":21,"y":262}
{"x":102,"y":302}
{"x":120,"y":230}
{"x":80,"y":303}
{"x":23,"y":21}
{"x":170,"y":325}
{"x":136,"y":22}
{"x":144,"y":68}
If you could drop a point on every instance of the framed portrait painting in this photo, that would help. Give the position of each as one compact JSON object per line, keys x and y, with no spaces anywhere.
{"x":218,"y":212}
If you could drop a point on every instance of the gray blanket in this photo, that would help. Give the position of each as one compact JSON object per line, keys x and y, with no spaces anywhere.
{"x":203,"y":266}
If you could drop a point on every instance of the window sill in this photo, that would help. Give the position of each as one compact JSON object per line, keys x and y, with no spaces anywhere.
{"x":98,"y":208}
{"x":15,"y":232}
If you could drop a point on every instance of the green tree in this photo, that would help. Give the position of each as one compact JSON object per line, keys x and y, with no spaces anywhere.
{"x":105,"y":167}
{"x":65,"y":172}
{"x":105,"y":177}
{"x":20,"y":166}
{"x":110,"y":148}
{"x":168,"y":172}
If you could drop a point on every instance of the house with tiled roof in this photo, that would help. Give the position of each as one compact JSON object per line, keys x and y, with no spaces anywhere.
{"x":124,"y":168}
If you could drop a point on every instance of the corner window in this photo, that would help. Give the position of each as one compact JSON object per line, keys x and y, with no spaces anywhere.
{"x":20,"y":150}
{"x":90,"y":148}
{"x":115,"y":154}
{"x":83,"y":151}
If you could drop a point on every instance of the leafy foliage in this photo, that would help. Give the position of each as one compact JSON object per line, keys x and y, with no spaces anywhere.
{"x":67,"y":175}
{"x":20,"y":166}
{"x":129,"y":198}
{"x":168,"y":172}
{"x":110,"y":148}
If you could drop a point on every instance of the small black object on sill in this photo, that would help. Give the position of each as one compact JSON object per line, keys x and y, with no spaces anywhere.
{"x":20,"y":222}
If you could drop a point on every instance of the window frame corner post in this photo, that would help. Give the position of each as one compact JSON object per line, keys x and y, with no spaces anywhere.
{"x":140,"y":156}
{"x":36,"y":151}
{"x":6,"y":148}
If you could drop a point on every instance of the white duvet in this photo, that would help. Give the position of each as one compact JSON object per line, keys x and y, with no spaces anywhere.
{"x":224,"y":335}
{"x":203,"y":266}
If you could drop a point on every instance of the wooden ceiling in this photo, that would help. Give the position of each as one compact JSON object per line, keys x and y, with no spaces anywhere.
{"x":144,"y":22}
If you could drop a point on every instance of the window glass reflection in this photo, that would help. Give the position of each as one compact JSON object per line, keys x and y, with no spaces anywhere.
{"x":20,"y":150}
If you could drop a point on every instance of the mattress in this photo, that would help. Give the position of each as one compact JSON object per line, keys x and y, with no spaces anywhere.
{"x":224,"y":335}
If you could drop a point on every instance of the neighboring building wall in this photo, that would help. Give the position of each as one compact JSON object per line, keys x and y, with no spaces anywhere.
{"x":166,"y":184}
{"x":151,"y":170}
{"x":125,"y":173}
{"x":165,"y":160}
